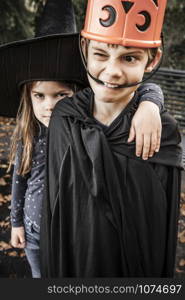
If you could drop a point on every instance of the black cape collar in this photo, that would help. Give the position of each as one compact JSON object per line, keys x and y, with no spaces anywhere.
{"x":79,"y":108}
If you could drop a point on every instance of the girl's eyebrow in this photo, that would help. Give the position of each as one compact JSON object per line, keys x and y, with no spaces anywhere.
{"x":34,"y":91}
{"x":55,"y":93}
{"x":61,"y":92}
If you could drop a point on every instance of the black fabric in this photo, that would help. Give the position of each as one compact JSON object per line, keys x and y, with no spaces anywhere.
{"x":108,"y":213}
{"x":42,"y":57}
{"x":57,"y":17}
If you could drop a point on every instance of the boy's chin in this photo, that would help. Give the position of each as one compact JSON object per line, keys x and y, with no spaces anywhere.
{"x":111,"y":97}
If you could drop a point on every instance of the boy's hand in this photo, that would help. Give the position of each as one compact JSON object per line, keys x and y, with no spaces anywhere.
{"x":18,"y":237}
{"x":146,"y":129}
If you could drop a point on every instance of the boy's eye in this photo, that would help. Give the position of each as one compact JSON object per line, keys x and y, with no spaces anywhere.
{"x":98,"y":54}
{"x":129,"y":58}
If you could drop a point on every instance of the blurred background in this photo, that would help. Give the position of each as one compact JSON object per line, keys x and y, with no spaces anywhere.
{"x":19,"y":18}
{"x":18,"y":21}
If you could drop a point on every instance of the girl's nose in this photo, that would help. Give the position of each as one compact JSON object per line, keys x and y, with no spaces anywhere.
{"x":49,"y":103}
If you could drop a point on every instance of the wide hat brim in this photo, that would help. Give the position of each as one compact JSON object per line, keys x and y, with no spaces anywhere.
{"x":53,"y":57}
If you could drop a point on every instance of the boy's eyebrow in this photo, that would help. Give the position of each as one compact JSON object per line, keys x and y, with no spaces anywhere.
{"x":137,"y":51}
{"x":98,"y":49}
{"x":128,"y":50}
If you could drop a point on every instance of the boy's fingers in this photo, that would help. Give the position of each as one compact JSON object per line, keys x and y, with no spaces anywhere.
{"x":158,"y":143}
{"x":139,"y":144}
{"x":132,"y":134}
{"x":146,"y":146}
{"x":153,"y":144}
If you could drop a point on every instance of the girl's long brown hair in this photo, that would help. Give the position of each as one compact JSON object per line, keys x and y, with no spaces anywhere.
{"x":25,"y":129}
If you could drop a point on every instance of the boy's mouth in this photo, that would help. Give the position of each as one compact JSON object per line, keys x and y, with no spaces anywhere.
{"x":111,"y":85}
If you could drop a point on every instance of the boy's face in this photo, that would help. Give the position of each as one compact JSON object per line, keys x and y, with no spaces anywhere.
{"x":115,"y":65}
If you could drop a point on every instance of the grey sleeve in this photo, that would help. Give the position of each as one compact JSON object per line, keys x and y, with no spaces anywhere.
{"x":19,"y":186}
{"x":153,"y":93}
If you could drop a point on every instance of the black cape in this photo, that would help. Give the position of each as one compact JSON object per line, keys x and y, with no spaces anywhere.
{"x":108,"y":213}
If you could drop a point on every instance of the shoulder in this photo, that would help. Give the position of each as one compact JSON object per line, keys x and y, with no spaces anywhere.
{"x":170,"y":129}
{"x":74,"y":106}
{"x":168,"y":120}
{"x":149,"y":87}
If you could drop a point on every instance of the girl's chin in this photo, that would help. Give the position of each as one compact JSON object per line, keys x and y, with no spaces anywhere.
{"x":45,"y":122}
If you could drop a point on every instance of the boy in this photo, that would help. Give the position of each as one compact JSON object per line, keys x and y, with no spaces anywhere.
{"x":109,"y":213}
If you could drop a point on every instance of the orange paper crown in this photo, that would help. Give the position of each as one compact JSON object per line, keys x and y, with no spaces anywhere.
{"x":134,"y":23}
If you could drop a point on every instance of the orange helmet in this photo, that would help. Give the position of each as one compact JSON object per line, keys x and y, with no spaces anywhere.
{"x":134,"y":23}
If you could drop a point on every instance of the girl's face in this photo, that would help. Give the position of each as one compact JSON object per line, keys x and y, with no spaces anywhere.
{"x":45,"y":95}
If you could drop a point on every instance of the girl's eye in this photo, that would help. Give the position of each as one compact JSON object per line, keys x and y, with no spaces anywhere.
{"x":62,"y":95}
{"x":39,"y":96}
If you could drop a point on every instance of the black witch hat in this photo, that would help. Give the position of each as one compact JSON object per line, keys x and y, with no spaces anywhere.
{"x":52,"y":55}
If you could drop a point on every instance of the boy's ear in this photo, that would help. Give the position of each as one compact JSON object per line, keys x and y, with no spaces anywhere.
{"x":84,"y":47}
{"x":154,"y":62}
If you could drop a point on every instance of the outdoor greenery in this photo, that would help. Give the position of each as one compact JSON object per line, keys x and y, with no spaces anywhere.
{"x":19,"y":17}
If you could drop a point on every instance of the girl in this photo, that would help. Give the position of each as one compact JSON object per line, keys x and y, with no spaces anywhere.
{"x":43,"y":75}
{"x":29,"y":140}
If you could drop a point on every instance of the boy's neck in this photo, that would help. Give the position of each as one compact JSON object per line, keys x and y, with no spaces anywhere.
{"x":107,"y":112}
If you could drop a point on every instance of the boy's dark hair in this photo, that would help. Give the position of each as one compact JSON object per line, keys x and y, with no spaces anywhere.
{"x":152,"y":52}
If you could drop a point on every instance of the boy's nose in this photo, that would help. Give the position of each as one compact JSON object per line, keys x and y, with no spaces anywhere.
{"x":113,"y":68}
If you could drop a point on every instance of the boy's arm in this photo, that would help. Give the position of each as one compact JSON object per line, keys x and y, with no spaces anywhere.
{"x":146,"y":123}
{"x":153,"y":93}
